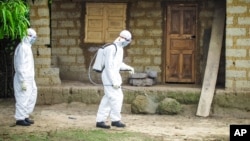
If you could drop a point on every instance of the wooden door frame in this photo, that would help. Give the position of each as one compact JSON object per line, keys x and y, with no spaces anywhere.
{"x":164,"y":41}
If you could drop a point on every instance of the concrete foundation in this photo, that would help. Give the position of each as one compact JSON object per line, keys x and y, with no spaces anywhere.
{"x":225,"y":102}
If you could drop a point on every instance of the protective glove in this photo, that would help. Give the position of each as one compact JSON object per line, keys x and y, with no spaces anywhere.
{"x":115,"y":86}
{"x":24,"y":86}
{"x":131,"y":70}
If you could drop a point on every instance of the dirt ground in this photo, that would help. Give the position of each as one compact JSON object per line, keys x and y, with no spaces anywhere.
{"x":80,"y":116}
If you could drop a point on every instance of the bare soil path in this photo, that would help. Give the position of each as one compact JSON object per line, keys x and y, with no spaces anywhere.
{"x":80,"y":116}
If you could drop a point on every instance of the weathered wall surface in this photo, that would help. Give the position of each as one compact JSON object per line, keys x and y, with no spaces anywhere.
{"x":40,"y":21}
{"x":71,"y":56}
{"x":146,"y":52}
{"x":237,"y":45}
{"x":146,"y":25}
{"x":66,"y":39}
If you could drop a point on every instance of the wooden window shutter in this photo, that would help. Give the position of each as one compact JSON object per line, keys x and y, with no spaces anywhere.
{"x":94,"y":23}
{"x":104,"y":21}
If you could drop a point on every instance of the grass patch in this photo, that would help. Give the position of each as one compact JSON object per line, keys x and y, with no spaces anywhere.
{"x":185,"y":97}
{"x":78,"y":135}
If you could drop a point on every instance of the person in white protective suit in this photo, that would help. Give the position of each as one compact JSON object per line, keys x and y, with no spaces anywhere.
{"x":25,"y":89}
{"x":112,"y":100}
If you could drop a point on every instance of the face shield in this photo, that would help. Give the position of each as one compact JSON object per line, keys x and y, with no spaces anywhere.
{"x":125,"y":41}
{"x":31,"y":36}
{"x":124,"y":38}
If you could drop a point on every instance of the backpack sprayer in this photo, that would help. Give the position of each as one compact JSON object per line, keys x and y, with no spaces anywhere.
{"x":98,"y":61}
{"x":97,"y":64}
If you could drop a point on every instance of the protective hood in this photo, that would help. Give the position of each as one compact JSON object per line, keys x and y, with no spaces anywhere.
{"x":31,"y":36}
{"x":124,"y":38}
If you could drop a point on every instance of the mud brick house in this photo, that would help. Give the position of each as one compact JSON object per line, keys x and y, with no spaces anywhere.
{"x":169,"y":36}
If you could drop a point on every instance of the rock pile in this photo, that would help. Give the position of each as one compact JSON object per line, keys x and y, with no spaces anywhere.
{"x":143,"y":79}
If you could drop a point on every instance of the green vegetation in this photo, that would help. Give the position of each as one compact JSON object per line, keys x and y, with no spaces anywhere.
{"x":14,"y":21}
{"x":169,"y":106}
{"x":184,"y":97}
{"x":78,"y":135}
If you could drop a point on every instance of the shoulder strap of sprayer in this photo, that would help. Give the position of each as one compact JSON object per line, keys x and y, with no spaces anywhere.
{"x":108,"y":44}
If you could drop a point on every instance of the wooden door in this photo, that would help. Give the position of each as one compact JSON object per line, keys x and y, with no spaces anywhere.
{"x":181,"y":43}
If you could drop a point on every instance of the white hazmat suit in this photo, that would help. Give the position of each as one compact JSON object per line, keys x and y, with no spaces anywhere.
{"x":112,"y":100}
{"x":24,"y":80}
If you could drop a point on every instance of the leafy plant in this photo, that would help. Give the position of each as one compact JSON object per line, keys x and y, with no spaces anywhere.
{"x":13,"y":19}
